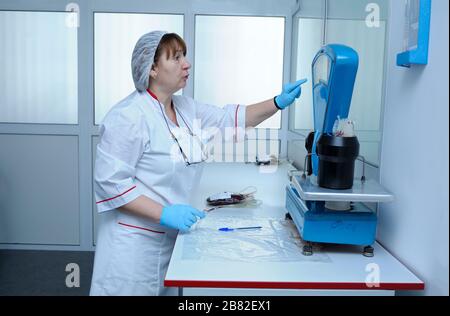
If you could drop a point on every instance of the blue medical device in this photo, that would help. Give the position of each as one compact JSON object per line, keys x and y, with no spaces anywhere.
{"x":334,"y":72}
{"x":325,"y":209}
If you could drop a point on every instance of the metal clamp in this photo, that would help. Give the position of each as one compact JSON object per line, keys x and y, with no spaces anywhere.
{"x":363,"y":159}
{"x":304,"y":165}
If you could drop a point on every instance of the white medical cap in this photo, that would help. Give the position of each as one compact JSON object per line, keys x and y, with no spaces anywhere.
{"x":143,"y":58}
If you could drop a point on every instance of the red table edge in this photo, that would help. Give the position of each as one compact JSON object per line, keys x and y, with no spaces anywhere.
{"x":296,"y":285}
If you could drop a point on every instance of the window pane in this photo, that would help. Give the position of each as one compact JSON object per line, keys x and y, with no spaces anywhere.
{"x":369,"y":43}
{"x":38,"y":62}
{"x":366,"y":104}
{"x":309,"y":43}
{"x":239,"y":60}
{"x":115,"y":37}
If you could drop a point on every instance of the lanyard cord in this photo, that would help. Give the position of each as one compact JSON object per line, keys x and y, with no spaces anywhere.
{"x":190,"y":131}
{"x":170,"y":131}
{"x":177,"y":111}
{"x":164,"y":116}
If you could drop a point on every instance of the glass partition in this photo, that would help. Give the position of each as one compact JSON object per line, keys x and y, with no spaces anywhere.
{"x":239,"y":60}
{"x":116,"y":35}
{"x":360,"y":24}
{"x":39,"y":68}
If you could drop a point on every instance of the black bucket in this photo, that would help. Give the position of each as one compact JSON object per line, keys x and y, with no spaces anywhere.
{"x":337,"y":157}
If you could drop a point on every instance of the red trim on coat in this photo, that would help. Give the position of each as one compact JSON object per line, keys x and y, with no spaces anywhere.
{"x":132,"y":226}
{"x":152,"y":94}
{"x":116,"y":196}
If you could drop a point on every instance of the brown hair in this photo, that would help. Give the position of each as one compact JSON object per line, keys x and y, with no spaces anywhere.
{"x":170,"y":43}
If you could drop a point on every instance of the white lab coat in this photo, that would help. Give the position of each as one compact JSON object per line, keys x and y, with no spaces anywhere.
{"x":135,"y":157}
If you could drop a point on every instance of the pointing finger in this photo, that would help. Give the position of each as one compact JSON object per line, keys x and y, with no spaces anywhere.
{"x":291,"y":86}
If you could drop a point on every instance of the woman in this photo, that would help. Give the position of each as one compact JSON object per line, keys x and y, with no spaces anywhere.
{"x":141,"y":189}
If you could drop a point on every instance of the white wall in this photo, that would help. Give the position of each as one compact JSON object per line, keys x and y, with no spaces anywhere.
{"x":415,"y":154}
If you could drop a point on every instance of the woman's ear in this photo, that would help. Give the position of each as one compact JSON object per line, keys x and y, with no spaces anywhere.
{"x":153,"y":72}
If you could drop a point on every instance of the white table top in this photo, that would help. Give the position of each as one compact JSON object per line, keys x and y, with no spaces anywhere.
{"x":346,"y":269}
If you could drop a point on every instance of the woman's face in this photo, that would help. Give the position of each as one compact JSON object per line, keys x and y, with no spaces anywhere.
{"x":172,"y":73}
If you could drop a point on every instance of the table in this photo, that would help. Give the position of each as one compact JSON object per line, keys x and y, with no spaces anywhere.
{"x":346,"y":273}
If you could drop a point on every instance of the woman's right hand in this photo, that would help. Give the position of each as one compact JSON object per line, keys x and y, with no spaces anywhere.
{"x":291,"y":91}
{"x":180,"y":217}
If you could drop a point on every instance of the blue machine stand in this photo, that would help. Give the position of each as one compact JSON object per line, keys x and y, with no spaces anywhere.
{"x":307,"y":206}
{"x":322,"y":214}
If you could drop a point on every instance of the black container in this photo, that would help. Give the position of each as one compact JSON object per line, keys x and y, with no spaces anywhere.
{"x":337,"y":157}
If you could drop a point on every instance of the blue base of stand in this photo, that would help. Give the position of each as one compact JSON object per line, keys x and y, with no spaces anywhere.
{"x":315,"y":223}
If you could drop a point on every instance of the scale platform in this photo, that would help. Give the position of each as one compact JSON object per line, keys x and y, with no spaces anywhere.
{"x":368,"y":191}
{"x":316,"y":222}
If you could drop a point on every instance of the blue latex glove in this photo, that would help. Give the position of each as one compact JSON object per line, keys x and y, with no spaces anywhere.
{"x":180,"y":217}
{"x":291,"y":91}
